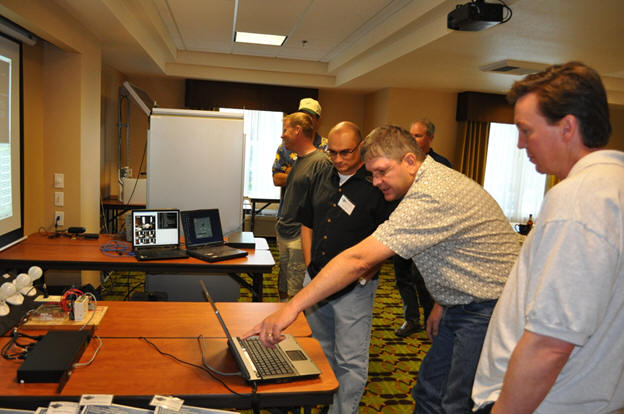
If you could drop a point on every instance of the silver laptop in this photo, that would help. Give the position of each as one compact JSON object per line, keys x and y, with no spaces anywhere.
{"x":287,"y":361}
{"x":204,"y":236}
{"x":156,"y":234}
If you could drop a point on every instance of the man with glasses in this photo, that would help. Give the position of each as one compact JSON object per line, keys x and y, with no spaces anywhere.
{"x":459,"y":239}
{"x":342,"y":208}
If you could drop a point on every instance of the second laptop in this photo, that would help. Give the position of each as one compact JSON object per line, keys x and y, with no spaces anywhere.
{"x":204,"y":236}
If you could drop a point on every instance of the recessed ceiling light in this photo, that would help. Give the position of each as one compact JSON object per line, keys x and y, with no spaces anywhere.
{"x":259,"y":38}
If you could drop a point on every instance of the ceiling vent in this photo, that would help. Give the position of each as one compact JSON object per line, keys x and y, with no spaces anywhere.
{"x":514,"y":67}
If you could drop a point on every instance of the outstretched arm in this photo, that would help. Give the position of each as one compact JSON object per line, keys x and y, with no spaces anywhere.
{"x":343,"y":269}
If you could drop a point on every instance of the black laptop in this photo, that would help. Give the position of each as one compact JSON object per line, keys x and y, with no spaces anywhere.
{"x":286,"y":361}
{"x":204,"y":236}
{"x":156,"y":235}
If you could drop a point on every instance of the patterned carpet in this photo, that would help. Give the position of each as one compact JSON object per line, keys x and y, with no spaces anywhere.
{"x":394,"y":362}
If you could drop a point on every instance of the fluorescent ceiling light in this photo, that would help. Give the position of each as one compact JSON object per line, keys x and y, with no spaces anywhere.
{"x":259,"y":38}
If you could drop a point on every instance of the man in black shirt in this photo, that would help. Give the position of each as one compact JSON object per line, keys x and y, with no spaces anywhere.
{"x":409,"y":281}
{"x":342,"y":208}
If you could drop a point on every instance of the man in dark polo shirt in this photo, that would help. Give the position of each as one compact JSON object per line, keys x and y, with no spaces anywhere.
{"x":409,"y":281}
{"x":342,"y":208}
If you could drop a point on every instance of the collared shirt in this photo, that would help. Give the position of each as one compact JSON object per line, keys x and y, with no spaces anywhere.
{"x":439,"y":158}
{"x":568,"y":284}
{"x":341,"y":216}
{"x":455,"y":233}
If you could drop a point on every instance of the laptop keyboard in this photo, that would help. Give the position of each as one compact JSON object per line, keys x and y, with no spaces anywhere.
{"x":160,"y":253}
{"x":213,"y":250}
{"x":268,"y":361}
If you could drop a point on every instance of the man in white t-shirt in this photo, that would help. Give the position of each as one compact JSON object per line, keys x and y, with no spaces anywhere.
{"x":555,"y":343}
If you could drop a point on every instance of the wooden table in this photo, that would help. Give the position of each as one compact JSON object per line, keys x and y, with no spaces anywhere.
{"x":134,"y":371}
{"x":131,"y":369}
{"x":85,"y":254}
{"x":187,"y":319}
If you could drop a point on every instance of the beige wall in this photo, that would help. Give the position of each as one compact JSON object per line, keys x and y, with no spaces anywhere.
{"x":111,"y":80}
{"x":408,"y":105}
{"x":61,"y":115}
{"x":340,"y":106}
{"x":616,"y":113}
{"x":403,"y":106}
{"x":375,"y":110}
{"x":34,"y":209}
{"x":61,"y":143}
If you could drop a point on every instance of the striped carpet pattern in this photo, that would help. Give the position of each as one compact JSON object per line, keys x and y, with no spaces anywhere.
{"x":393,"y":364}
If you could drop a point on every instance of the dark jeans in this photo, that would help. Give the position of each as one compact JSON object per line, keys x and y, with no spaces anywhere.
{"x":411,"y":286}
{"x":447,"y":371}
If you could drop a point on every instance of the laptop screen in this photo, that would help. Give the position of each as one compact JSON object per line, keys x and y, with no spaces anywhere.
{"x":202,"y":227}
{"x":155,"y":228}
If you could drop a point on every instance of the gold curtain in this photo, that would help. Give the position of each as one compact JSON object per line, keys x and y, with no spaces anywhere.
{"x":551,"y":180}
{"x":474,"y":143}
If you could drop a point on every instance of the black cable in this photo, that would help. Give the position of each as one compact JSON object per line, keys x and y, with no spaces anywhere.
{"x":255,"y":399}
{"x":138,"y":285}
{"x":13,"y":342}
{"x":506,"y":19}
{"x":190,"y":364}
{"x":202,"y":349}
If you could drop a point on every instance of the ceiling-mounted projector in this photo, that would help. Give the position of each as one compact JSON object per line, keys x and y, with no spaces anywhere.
{"x":476,"y":15}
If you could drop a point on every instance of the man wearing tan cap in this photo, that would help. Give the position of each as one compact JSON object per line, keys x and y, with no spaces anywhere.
{"x":284,"y":160}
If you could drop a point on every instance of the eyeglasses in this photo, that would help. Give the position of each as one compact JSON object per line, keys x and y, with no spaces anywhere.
{"x":343,"y":153}
{"x":381,"y":173}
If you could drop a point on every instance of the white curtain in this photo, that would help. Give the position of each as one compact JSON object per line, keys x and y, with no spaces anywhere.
{"x":263,"y":130}
{"x":510,"y":177}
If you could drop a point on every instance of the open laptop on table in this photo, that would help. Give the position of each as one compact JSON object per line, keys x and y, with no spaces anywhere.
{"x":287,"y":361}
{"x":156,"y":235}
{"x":204,"y":236}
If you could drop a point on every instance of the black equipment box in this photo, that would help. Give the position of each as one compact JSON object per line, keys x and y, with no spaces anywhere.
{"x":53,"y":356}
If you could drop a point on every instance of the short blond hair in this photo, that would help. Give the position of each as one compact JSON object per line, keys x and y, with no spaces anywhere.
{"x":302,"y":120}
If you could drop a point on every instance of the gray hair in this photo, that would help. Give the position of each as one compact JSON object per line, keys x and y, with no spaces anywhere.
{"x":429,"y":126}
{"x":390,"y":141}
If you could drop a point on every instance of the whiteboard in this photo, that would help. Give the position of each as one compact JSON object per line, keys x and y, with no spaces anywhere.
{"x":195,"y":160}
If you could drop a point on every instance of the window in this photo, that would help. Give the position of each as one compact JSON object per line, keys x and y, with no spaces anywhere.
{"x":263,"y":131}
{"x":509,"y":175}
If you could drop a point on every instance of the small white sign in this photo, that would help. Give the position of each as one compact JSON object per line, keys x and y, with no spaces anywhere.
{"x":346,"y":204}
{"x":96,"y":399}
{"x":170,"y":403}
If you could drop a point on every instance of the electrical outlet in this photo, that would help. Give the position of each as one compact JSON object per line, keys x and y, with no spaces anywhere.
{"x":59,"y":218}
{"x":59,"y":199}
{"x":59,"y":180}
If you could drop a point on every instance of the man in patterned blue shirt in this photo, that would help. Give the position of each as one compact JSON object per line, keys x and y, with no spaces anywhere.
{"x":459,"y":239}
